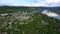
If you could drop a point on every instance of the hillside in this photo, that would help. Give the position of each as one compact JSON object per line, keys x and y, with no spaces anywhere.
{"x":8,"y":9}
{"x":27,"y":20}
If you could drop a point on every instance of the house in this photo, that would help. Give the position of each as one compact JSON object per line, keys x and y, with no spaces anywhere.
{"x":51,"y":14}
{"x":4,"y":14}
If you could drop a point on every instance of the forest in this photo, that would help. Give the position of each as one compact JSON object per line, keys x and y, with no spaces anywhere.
{"x":27,"y":20}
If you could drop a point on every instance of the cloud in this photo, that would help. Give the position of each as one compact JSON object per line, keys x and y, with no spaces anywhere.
{"x":47,"y":3}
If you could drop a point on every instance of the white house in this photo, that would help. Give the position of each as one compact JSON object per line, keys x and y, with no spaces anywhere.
{"x":4,"y":14}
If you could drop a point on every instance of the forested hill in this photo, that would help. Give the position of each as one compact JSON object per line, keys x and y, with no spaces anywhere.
{"x":53,"y":9}
{"x":50,"y":8}
{"x":8,"y":9}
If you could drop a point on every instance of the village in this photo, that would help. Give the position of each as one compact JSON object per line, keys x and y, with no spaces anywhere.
{"x":8,"y":18}
{"x":15,"y":21}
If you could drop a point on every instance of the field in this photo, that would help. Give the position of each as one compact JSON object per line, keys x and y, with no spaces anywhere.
{"x":27,"y":20}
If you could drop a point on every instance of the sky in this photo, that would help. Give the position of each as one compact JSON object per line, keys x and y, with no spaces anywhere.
{"x":36,"y":3}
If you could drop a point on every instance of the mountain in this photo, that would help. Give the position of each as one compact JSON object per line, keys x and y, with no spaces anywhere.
{"x":53,"y":9}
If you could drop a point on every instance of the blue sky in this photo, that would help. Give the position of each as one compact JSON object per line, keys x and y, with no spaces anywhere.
{"x":36,"y":3}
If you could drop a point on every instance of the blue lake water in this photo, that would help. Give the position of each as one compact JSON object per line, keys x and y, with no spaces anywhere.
{"x":57,"y":17}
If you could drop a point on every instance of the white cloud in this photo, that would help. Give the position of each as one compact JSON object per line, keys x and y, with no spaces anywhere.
{"x":30,"y":2}
{"x":52,"y":2}
{"x":49,"y":1}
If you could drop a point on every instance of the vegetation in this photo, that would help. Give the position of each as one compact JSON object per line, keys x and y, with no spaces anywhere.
{"x":37,"y":23}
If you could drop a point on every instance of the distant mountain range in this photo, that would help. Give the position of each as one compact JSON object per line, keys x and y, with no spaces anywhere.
{"x":53,"y":9}
{"x":49,"y":8}
{"x":42,"y":8}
